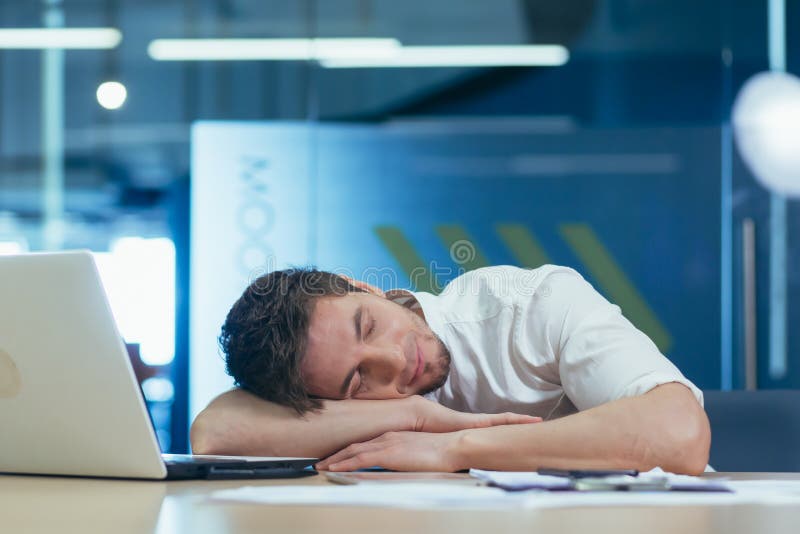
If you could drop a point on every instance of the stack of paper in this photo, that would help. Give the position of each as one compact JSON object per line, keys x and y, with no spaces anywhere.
{"x":521,"y":480}
{"x":656,"y":479}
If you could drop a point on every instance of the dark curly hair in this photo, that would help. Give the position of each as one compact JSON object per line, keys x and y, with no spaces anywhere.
{"x":264,"y":335}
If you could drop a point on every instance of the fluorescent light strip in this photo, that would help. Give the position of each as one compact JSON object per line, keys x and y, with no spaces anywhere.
{"x":460,"y":56}
{"x":271,"y":49}
{"x":70,"y":38}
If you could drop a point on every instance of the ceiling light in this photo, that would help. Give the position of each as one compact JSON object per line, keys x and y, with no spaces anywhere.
{"x":459,"y":56}
{"x":111,"y":95}
{"x":271,"y":49}
{"x":72,"y":38}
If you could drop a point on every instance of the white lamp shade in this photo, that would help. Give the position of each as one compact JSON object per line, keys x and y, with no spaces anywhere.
{"x":766,"y":120}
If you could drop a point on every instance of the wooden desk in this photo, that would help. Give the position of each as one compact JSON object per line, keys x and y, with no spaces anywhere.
{"x":66,"y":505}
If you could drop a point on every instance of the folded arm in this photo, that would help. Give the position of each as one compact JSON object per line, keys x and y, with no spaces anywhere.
{"x":665,"y":427}
{"x":238,"y":423}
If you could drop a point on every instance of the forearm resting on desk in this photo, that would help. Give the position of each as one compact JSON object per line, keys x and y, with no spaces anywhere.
{"x":239,"y":423}
{"x":664,"y":428}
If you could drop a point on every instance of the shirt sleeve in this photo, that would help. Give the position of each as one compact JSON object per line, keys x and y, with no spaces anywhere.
{"x":599,"y":355}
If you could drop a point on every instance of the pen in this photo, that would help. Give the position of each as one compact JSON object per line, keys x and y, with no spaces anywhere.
{"x":629,"y":484}
{"x":339,"y":479}
{"x":587,"y":473}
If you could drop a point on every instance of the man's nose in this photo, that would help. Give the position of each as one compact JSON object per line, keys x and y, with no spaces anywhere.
{"x":384,"y":363}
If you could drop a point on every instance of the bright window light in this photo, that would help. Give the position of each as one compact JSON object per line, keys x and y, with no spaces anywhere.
{"x":11,"y":247}
{"x":139,"y":277}
{"x":158,"y":389}
{"x":270,"y":49}
{"x":72,"y":38}
{"x":459,"y":56}
{"x":111,"y":95}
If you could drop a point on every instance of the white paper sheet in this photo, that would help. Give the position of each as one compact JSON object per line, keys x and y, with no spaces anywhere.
{"x":429,"y":495}
{"x":767,"y":492}
{"x":394,"y":495}
{"x":780,"y":496}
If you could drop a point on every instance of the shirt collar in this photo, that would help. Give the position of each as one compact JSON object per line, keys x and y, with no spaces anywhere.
{"x":429,"y":304}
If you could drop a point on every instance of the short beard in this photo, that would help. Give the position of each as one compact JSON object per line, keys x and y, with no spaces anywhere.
{"x":444,"y":368}
{"x":443,"y":355}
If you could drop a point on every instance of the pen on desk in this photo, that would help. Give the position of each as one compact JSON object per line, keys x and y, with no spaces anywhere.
{"x":587,"y":473}
{"x":611,"y":484}
{"x":339,"y":479}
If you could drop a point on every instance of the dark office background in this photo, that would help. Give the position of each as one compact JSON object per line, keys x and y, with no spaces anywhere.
{"x":652,"y":77}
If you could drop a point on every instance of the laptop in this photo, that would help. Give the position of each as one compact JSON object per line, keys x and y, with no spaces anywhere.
{"x":69,"y":401}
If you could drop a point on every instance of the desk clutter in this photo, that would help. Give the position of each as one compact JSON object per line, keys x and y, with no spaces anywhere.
{"x":530,"y":490}
{"x":652,"y":481}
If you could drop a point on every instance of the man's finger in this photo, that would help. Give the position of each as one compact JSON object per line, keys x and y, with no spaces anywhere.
{"x":519,"y":418}
{"x":509,"y":418}
{"x":347,"y":452}
{"x":361,"y":460}
{"x":338,"y":457}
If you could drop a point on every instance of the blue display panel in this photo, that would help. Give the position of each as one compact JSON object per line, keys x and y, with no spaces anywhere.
{"x":415,"y":204}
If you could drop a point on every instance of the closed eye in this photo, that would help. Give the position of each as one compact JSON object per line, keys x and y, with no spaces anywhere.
{"x":361,"y":383}
{"x":371,"y":328}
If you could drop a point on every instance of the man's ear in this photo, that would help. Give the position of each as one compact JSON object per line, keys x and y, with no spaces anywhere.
{"x":365,"y":286}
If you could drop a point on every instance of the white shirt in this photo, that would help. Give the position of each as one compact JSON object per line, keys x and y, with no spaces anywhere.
{"x":540,"y":342}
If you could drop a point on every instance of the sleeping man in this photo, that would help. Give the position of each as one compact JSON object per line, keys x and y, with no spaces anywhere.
{"x":506,"y":369}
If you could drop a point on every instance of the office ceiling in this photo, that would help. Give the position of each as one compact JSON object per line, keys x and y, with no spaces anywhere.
{"x":121,"y":161}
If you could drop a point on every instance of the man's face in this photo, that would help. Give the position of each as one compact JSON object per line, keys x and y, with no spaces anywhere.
{"x":363,"y":346}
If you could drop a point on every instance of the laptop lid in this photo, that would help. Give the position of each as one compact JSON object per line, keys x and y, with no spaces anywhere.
{"x":69,"y":401}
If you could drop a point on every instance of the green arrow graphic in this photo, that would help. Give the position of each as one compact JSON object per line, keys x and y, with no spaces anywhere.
{"x":612,"y":280}
{"x":412,"y":263}
{"x":463,"y":249}
{"x":523,"y":245}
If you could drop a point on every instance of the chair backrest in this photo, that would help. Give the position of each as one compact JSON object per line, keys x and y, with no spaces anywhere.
{"x":754,"y":430}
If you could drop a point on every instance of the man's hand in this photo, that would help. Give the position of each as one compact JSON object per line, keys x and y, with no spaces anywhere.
{"x":665,"y":427}
{"x":431,"y":446}
{"x":433,"y":417}
{"x":400,"y":451}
